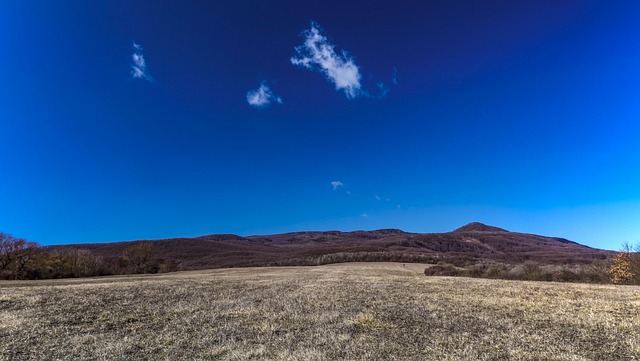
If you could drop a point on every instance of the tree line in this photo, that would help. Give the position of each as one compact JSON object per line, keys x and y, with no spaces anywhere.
{"x":623,"y":269}
{"x":21,"y":259}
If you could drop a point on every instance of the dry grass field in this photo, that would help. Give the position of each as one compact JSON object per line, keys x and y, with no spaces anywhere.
{"x":365,"y":311}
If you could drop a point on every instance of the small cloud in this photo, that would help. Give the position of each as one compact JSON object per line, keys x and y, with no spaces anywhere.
{"x":364,"y":215}
{"x":318,"y":54}
{"x":139,"y":66}
{"x":337,"y":184}
{"x":347,"y":193}
{"x":383,"y":90}
{"x":377,"y":197}
{"x":394,"y":76}
{"x":262,"y":97}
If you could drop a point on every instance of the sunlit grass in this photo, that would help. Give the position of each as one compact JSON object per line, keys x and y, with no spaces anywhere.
{"x":369,"y":311}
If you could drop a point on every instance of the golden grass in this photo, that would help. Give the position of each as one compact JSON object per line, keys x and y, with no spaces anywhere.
{"x":366,"y":311}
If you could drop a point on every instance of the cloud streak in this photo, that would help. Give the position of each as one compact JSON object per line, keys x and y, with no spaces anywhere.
{"x":139,"y":65}
{"x":262,"y":97}
{"x":336,"y":185}
{"x":318,"y":54}
{"x":383,"y":90}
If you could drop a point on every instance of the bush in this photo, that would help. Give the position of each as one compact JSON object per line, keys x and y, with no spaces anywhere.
{"x":444,"y":270}
{"x":625,"y":269}
{"x":531,"y":271}
{"x":528,"y":271}
{"x":495,"y":272}
{"x":169,"y":265}
{"x":475,"y":271}
{"x":565,"y":275}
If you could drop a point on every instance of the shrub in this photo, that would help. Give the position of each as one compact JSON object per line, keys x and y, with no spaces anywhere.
{"x":531,"y":271}
{"x":475,"y":271}
{"x":443,"y":270}
{"x":565,"y":275}
{"x":621,"y":270}
{"x":528,"y":271}
{"x":495,"y":272}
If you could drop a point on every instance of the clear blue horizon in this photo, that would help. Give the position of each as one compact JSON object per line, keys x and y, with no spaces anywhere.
{"x":158,"y":119}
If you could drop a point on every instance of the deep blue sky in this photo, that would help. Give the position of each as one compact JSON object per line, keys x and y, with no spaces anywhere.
{"x":520,"y":114}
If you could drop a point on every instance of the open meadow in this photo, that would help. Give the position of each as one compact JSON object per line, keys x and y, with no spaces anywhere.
{"x":352,"y":311}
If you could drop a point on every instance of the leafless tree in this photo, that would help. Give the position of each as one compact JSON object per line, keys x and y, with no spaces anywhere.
{"x":15,"y":255}
{"x":69,"y":262}
{"x":138,"y":257}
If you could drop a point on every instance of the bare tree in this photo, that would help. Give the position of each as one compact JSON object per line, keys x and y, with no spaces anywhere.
{"x":138,"y":257}
{"x":25,"y":256}
{"x":15,"y":255}
{"x":7,"y":249}
{"x":69,"y":262}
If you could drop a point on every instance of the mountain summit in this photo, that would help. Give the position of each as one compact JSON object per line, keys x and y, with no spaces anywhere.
{"x":479,"y":227}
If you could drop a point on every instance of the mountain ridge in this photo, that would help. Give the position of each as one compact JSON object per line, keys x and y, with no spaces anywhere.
{"x":474,"y":241}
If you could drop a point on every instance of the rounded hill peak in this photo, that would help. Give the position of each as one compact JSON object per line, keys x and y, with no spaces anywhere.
{"x":479,"y":227}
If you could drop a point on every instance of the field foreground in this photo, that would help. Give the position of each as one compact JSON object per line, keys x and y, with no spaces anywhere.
{"x":358,"y":311}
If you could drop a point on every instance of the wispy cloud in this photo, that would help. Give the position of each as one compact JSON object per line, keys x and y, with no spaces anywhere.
{"x":318,"y":54}
{"x":336,"y":185}
{"x":262,"y":97}
{"x":383,"y":90}
{"x":139,"y":66}
{"x":394,"y":76}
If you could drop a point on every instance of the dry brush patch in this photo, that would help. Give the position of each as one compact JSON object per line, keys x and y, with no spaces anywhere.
{"x":364,"y":311}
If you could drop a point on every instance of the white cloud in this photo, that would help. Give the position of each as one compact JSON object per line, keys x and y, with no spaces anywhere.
{"x":364,"y":215}
{"x":336,"y":185}
{"x":139,"y":66}
{"x":318,"y":54}
{"x":262,"y":97}
{"x":377,"y":197}
{"x":394,"y":77}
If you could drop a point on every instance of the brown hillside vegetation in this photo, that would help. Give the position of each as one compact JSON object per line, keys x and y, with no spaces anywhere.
{"x":475,"y":241}
{"x":366,"y":311}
